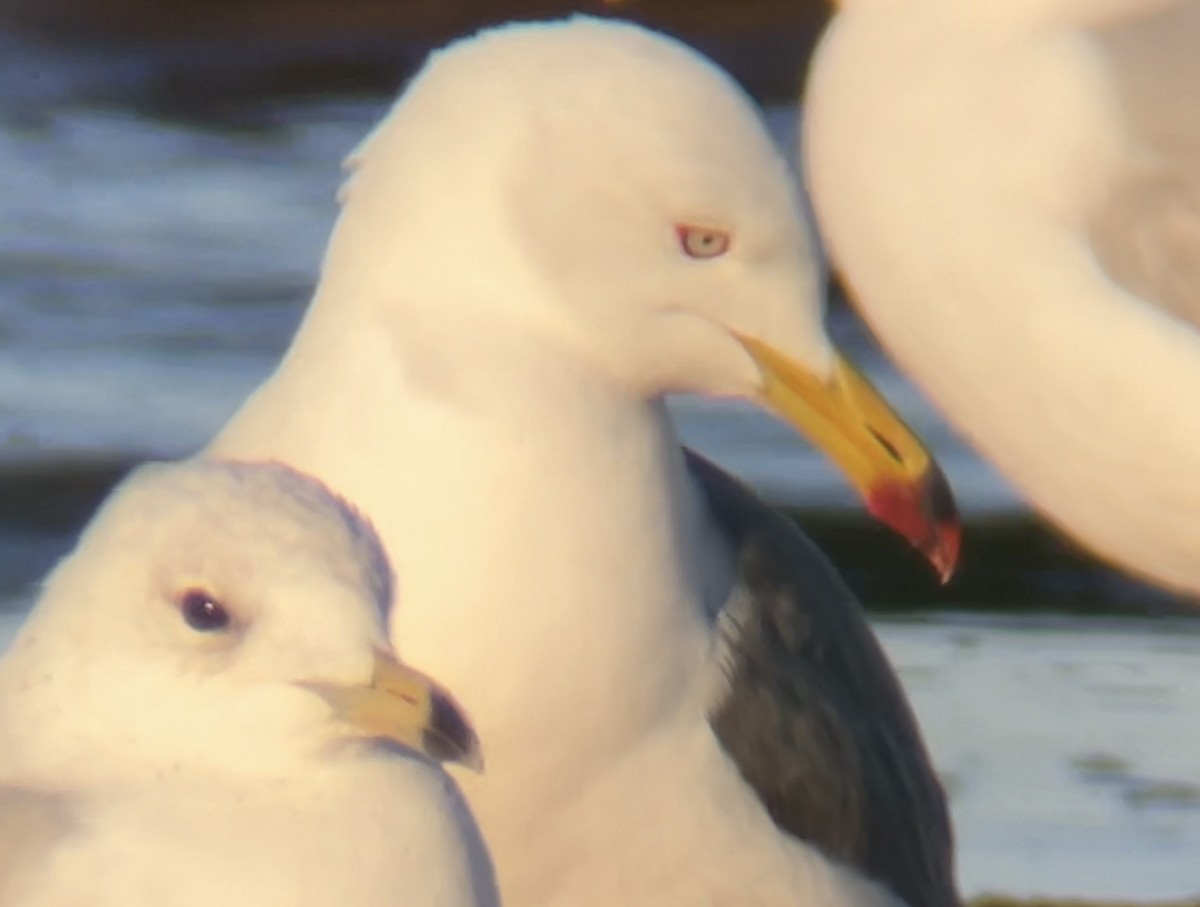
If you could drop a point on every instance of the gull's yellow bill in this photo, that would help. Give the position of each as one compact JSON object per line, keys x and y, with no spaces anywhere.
{"x":404,"y":706}
{"x":846,"y":417}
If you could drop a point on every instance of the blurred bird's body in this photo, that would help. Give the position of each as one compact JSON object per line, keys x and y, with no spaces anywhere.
{"x":1012,"y":194}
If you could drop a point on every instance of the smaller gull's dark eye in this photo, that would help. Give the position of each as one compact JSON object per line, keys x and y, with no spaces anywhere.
{"x":203,"y":612}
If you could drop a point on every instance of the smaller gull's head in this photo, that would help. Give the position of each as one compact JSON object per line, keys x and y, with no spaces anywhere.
{"x":613,"y":190}
{"x":222,"y":615}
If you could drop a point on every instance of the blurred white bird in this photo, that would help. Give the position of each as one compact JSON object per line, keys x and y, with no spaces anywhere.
{"x":1012,"y":192}
{"x":202,"y":709}
{"x":557,"y":225}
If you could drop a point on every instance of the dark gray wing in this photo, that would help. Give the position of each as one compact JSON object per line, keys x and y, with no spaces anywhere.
{"x":31,"y":823}
{"x":815,"y":717}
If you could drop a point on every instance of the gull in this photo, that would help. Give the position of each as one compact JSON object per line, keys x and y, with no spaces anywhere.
{"x":203,"y":708}
{"x":557,"y":225}
{"x":1012,"y":193}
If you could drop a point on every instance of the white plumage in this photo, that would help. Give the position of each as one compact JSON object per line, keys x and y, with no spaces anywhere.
{"x":166,"y":734}
{"x":557,"y":225}
{"x":1012,"y":191}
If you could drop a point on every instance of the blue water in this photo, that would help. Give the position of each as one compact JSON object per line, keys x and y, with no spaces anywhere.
{"x":150,"y":274}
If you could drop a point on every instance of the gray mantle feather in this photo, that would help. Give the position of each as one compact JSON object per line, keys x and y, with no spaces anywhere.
{"x":815,"y":717}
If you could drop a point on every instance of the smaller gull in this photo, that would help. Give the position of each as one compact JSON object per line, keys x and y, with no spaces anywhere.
{"x":203,"y":708}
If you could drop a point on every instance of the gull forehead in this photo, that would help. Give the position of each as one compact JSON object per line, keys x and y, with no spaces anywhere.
{"x":278,"y":509}
{"x":595,"y":64}
{"x":597,"y":93}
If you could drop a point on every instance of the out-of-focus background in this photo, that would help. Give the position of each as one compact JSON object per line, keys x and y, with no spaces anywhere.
{"x":167,"y":179}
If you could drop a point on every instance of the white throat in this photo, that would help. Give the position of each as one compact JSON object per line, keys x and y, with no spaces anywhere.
{"x":535,"y":510}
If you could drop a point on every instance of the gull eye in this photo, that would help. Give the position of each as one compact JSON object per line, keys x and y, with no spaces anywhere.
{"x":203,"y":612}
{"x":702,"y":242}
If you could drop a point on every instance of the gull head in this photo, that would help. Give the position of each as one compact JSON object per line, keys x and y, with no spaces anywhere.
{"x":613,"y":191}
{"x":228,"y":616}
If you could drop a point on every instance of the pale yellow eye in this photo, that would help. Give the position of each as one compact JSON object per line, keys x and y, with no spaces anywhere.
{"x":702,"y":242}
